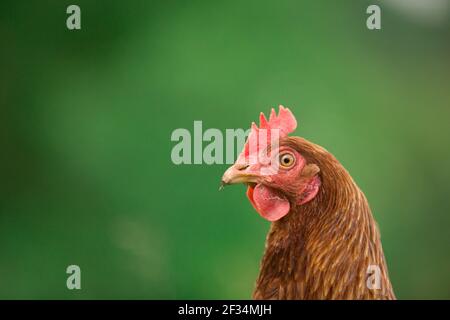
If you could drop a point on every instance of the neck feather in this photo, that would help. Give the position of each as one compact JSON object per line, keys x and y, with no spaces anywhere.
{"x":329,"y":248}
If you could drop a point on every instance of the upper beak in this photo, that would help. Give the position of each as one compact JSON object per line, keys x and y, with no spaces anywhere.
{"x":238,"y":173}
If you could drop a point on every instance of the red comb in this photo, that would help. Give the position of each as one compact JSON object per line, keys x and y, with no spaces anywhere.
{"x":284,"y":122}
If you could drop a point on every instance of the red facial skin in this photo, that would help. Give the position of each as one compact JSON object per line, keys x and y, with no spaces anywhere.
{"x":273,"y":187}
{"x":275,"y":191}
{"x":287,"y":175}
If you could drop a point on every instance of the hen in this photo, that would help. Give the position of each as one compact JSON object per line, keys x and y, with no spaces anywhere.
{"x":323,"y":242}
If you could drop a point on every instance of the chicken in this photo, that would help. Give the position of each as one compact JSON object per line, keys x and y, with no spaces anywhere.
{"x":323,"y":241}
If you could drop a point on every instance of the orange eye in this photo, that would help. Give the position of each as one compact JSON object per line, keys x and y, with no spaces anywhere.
{"x":287,"y":160}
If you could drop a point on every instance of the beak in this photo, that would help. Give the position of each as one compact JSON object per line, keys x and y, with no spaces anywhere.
{"x":238,"y":173}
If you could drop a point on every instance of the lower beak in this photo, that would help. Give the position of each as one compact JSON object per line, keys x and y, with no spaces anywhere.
{"x":237,"y":173}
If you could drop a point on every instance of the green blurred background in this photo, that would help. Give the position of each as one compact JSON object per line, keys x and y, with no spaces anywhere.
{"x":86,"y":118}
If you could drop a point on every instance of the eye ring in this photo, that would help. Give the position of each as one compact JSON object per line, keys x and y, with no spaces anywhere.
{"x":287,"y":160}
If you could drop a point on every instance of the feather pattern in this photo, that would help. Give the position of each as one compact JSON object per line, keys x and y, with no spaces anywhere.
{"x":323,"y":249}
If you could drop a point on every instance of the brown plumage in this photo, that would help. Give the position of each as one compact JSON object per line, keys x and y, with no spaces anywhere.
{"x":323,"y":242}
{"x":323,"y":249}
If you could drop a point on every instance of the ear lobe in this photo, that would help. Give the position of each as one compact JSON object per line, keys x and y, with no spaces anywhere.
{"x":310,"y":191}
{"x":310,"y":170}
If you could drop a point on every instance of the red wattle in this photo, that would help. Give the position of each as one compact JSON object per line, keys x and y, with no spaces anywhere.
{"x":269,"y":203}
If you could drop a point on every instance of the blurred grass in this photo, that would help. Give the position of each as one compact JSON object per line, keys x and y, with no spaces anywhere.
{"x":86,"y":118}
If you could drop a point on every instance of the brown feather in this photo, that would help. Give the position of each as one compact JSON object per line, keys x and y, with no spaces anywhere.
{"x":322,"y":249}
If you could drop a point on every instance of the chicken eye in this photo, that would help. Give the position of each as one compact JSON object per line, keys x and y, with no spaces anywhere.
{"x":287,"y":160}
